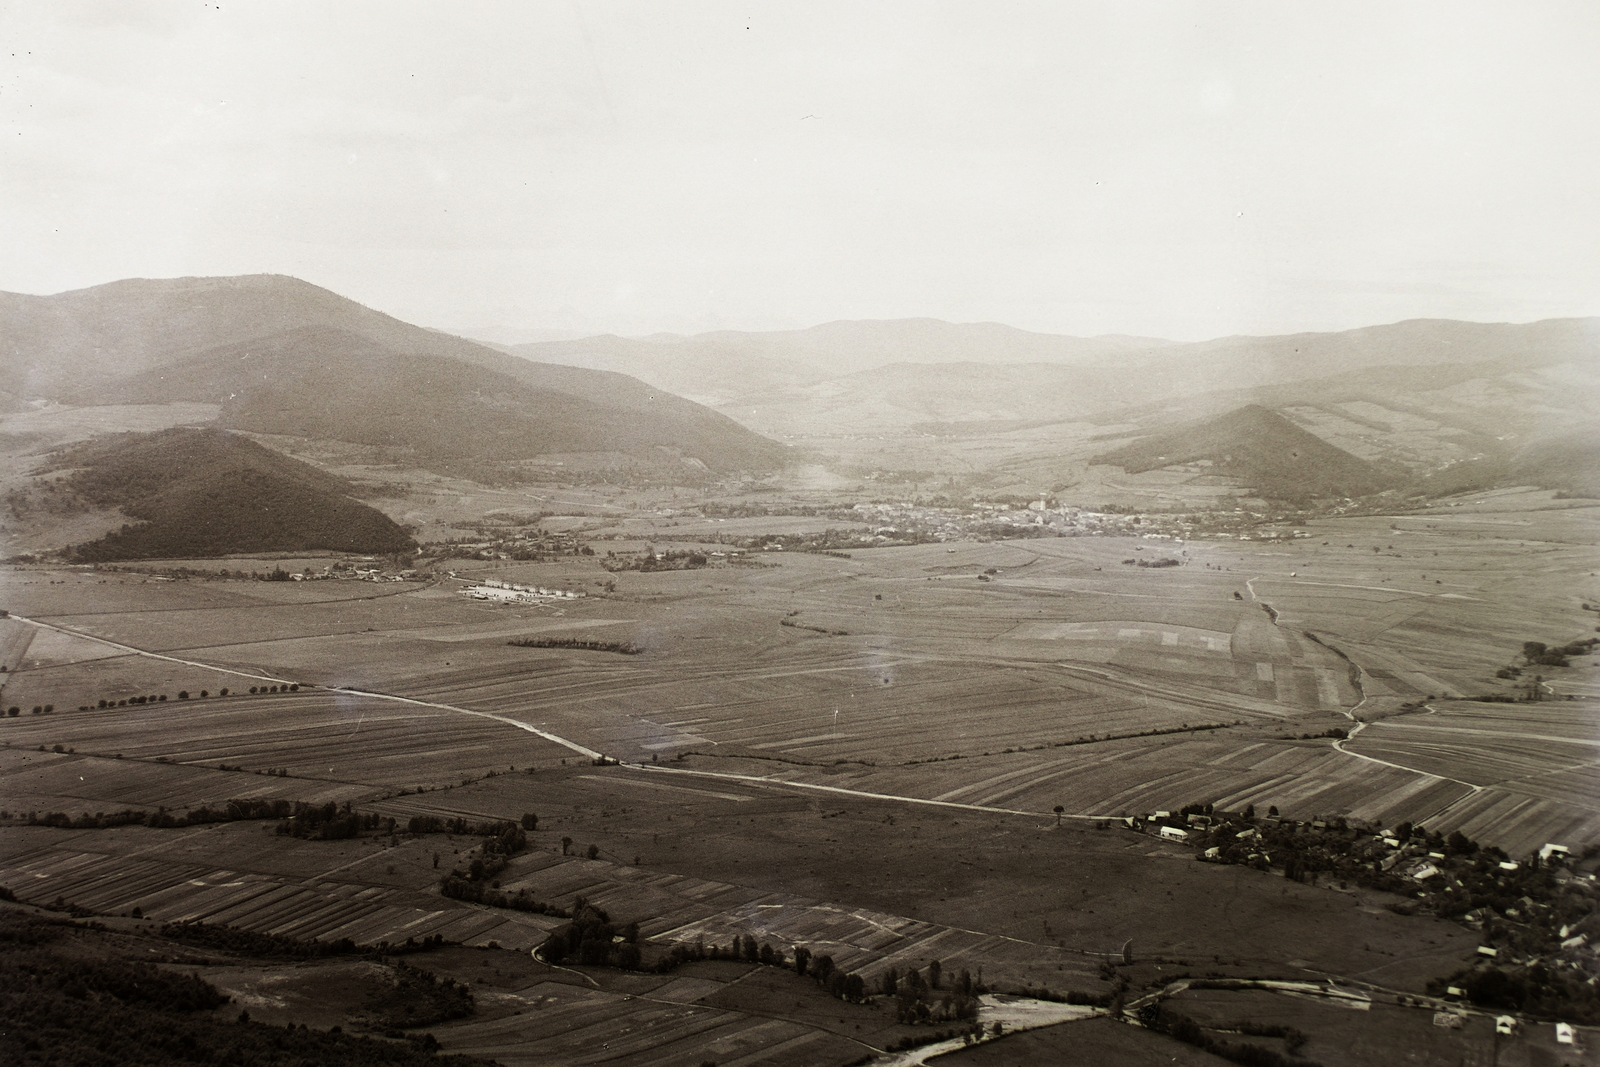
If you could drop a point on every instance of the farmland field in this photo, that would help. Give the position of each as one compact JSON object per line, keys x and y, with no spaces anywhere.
{"x":1121,"y":688}
{"x":859,"y":754}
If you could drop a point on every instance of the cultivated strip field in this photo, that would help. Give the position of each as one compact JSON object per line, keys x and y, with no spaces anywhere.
{"x":1537,"y":767}
{"x":876,"y":670}
{"x":332,"y":746}
{"x":683,"y":910}
{"x":662,"y":1022}
{"x":311,"y":890}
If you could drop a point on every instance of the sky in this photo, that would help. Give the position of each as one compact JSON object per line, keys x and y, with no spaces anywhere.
{"x":1183,"y":170}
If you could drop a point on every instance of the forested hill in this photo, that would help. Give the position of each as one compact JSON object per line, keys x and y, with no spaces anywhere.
{"x":1262,"y":450}
{"x":206,"y":493}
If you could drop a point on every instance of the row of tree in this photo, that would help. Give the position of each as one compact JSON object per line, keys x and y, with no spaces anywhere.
{"x":321,"y":821}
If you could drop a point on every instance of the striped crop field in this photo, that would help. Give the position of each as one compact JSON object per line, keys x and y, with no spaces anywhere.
{"x":663,"y":1021}
{"x":1113,"y":778}
{"x":888,"y":708}
{"x":79,"y":784}
{"x":332,"y":746}
{"x":1066,"y":677}
{"x":675,"y":909}
{"x":310,"y":890}
{"x":1535,"y":767}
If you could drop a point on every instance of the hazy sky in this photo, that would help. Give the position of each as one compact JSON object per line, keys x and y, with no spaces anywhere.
{"x":1177,"y":169}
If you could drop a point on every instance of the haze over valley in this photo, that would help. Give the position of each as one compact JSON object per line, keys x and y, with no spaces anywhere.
{"x":1052,"y":534}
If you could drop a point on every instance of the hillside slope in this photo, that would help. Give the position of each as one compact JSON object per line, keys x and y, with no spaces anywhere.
{"x":294,"y":358}
{"x":331,"y":384}
{"x":206,"y":493}
{"x":1260,"y":449}
{"x":1568,"y":463}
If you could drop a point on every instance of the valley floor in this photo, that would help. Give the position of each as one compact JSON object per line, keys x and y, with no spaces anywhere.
{"x":876,"y":755}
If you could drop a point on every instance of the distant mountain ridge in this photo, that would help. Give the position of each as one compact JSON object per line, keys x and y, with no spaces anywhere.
{"x":727,"y":365}
{"x":1419,"y":396}
{"x":281,"y":356}
{"x":838,"y":349}
{"x":288,"y":357}
{"x":1421,"y":393}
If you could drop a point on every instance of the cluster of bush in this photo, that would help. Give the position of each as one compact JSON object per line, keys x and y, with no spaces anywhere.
{"x":1185,"y":1029}
{"x":416,"y":997}
{"x":456,"y":887}
{"x":747,"y":949}
{"x":332,"y":822}
{"x":1537,"y":653}
{"x":1338,"y":733}
{"x":239,"y":942}
{"x":921,"y":1000}
{"x":478,"y":883}
{"x":250,"y":943}
{"x":654,"y":561}
{"x":501,"y":842}
{"x":436,"y":824}
{"x":626,"y":648}
{"x":592,"y":940}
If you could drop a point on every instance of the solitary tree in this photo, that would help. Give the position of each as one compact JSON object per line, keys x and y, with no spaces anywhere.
{"x":1059,"y":810}
{"x":566,"y":846}
{"x":530,"y":821}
